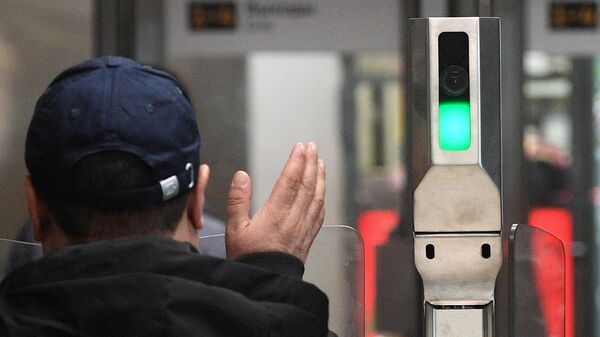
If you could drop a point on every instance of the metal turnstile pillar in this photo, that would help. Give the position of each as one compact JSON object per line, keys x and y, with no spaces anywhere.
{"x":455,"y":177}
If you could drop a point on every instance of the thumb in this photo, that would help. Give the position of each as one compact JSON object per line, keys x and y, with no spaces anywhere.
{"x":238,"y":200}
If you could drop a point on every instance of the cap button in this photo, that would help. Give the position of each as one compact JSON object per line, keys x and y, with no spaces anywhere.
{"x":114,"y":61}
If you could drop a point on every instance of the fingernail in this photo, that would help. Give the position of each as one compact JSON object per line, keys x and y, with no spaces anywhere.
{"x":302,"y":148}
{"x":313,"y":147}
{"x":239,"y":179}
{"x":322,"y":164}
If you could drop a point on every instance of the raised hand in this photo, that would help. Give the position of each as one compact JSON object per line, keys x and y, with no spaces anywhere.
{"x":292,"y":216}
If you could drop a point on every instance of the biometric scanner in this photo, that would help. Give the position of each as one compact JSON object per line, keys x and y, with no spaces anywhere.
{"x":455,"y":171}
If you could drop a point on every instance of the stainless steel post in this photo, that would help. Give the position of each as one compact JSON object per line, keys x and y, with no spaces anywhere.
{"x":455,"y":173}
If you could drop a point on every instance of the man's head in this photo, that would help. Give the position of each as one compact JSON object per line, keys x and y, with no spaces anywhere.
{"x":113,"y":150}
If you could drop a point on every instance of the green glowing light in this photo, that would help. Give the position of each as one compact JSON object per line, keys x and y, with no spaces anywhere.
{"x":455,"y":126}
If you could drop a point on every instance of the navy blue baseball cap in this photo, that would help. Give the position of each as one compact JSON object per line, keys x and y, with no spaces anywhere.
{"x":114,"y":104}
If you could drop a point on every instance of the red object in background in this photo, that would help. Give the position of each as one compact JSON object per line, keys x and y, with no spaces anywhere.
{"x":558,"y":222}
{"x":374,"y":227}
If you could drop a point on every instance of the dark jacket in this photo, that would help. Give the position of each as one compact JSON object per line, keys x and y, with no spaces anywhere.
{"x":152,"y":286}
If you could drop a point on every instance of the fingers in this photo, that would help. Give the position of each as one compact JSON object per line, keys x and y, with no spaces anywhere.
{"x":308,"y":184}
{"x":316,"y":210}
{"x":287,"y":186}
{"x":238,"y":201}
{"x":291,"y":217}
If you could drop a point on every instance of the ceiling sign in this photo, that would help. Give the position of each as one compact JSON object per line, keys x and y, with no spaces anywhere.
{"x":213,"y":27}
{"x":208,"y":16}
{"x":562,"y":27}
{"x":565,"y":15}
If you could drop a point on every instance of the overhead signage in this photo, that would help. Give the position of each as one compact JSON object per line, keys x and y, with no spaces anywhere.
{"x":566,"y":15}
{"x":209,"y":16}
{"x":235,"y":27}
{"x":562,"y":27}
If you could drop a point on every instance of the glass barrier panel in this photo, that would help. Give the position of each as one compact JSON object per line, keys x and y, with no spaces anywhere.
{"x":14,"y":254}
{"x":537,"y":283}
{"x":335,"y":265}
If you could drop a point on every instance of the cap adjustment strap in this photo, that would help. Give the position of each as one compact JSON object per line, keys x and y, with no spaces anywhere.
{"x":166,"y":189}
{"x":170,"y":186}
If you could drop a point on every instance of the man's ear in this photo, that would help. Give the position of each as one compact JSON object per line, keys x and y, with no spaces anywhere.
{"x":38,"y":211}
{"x":196,"y":201}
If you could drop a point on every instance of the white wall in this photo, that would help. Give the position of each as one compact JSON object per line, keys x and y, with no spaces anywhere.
{"x":295,"y":97}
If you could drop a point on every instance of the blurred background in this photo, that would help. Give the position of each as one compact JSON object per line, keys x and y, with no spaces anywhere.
{"x":266,"y":74}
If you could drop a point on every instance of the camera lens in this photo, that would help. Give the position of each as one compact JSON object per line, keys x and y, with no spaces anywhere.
{"x":454,"y":81}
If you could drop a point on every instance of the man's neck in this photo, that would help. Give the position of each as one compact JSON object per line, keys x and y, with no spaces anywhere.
{"x":55,"y":238}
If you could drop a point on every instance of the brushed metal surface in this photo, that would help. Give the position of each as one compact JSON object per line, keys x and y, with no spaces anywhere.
{"x":473,"y":322}
{"x":457,"y":198}
{"x":485,"y":92}
{"x":458,"y":274}
{"x":471,"y":27}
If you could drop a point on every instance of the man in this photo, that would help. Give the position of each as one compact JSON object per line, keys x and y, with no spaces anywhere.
{"x":115,"y":194}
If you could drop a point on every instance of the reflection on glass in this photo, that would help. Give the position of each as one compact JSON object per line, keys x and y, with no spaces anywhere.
{"x":335,"y":265}
{"x":14,"y":254}
{"x":537,"y":283}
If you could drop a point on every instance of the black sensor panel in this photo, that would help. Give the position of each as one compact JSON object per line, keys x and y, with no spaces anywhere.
{"x":453,"y":61}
